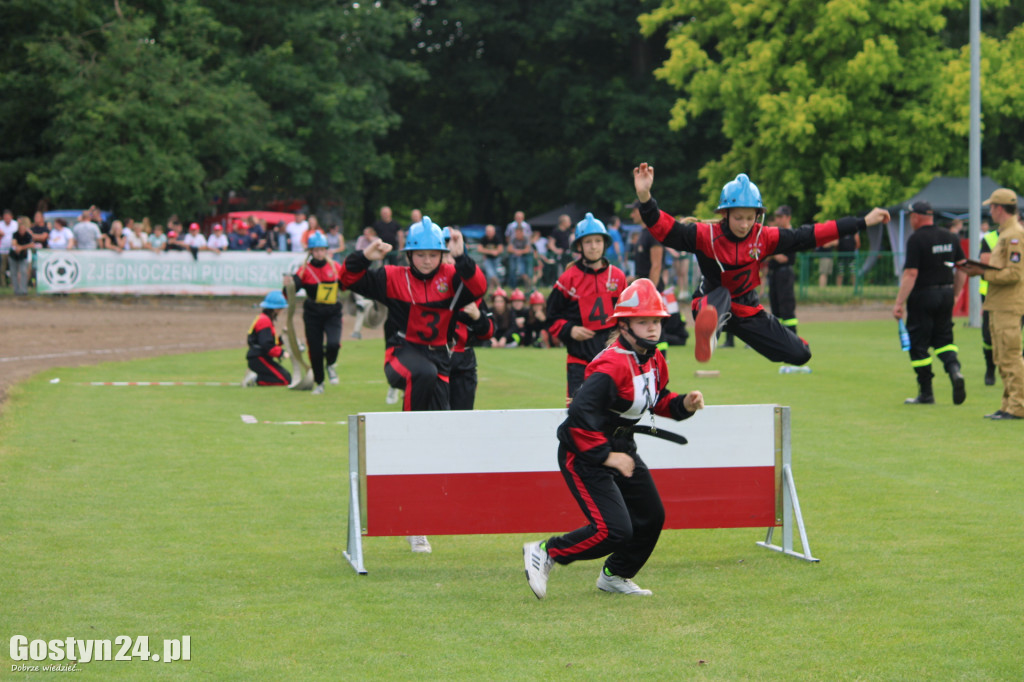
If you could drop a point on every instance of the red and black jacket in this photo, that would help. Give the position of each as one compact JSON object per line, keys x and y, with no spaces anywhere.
{"x":584,"y":297}
{"x":620,"y":386}
{"x":421,"y":308}
{"x":740,"y":259}
{"x":470,"y":332}
{"x":322,"y":284}
{"x":263,"y":339}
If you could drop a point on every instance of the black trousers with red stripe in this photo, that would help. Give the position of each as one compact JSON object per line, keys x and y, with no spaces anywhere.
{"x":323,"y":338}
{"x":781,"y":295}
{"x":761,"y":331}
{"x":422,"y":373}
{"x":625,"y":515}
{"x":269,"y":372}
{"x":462,"y":380}
{"x":574,"y":373}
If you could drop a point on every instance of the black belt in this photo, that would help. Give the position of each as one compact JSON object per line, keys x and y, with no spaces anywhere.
{"x":650,"y":431}
{"x":935,"y":286}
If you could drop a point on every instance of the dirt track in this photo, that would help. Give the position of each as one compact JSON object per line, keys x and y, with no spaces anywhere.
{"x":39,"y":332}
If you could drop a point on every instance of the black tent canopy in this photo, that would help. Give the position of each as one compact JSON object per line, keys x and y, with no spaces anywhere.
{"x":547,"y":221}
{"x":950,"y":195}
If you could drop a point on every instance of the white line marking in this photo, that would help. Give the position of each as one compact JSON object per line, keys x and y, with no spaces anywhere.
{"x":101,"y":351}
{"x":250,"y":419}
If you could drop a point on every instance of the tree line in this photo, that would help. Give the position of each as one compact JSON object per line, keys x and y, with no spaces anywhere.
{"x":472,"y":109}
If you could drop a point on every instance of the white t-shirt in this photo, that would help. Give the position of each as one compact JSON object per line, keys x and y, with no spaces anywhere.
{"x":8,"y":229}
{"x":295,"y":231}
{"x":197,"y":240}
{"x":132,"y":239}
{"x":542,"y":246}
{"x":217,"y":240}
{"x":59,"y":238}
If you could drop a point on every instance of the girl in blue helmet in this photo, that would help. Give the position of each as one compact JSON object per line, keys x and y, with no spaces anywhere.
{"x":265,"y":346}
{"x":581,"y":302}
{"x":424,"y":300}
{"x":320,"y":277}
{"x":729,"y":253}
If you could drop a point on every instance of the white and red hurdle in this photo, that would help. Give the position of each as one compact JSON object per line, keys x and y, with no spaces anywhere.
{"x":495,"y":471}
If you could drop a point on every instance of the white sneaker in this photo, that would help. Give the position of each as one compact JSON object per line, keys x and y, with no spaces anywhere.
{"x":318,"y":389}
{"x":250,"y":379}
{"x":613,"y":583}
{"x":538,"y":566}
{"x":392,"y":396}
{"x":419,"y":544}
{"x":332,"y":375}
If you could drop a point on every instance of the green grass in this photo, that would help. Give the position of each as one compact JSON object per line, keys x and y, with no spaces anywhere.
{"x":156,"y":511}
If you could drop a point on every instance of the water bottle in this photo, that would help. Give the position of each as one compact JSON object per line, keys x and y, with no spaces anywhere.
{"x":904,"y":336}
{"x":790,"y":369}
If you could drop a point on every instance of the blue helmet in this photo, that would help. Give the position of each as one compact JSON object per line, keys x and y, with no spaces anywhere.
{"x":275,"y":300}
{"x":740,"y":193}
{"x":317,"y":239}
{"x":590,"y":225}
{"x":425,"y":236}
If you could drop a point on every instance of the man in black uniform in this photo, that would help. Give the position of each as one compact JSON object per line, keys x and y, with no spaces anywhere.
{"x":929,"y":287}
{"x":780,"y":275}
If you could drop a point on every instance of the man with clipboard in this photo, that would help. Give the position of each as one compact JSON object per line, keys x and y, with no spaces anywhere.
{"x":1005,"y":300}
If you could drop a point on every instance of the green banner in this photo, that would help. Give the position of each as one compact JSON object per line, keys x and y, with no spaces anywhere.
{"x":228,"y":273}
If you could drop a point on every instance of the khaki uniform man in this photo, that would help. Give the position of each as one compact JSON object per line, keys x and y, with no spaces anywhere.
{"x":1005,"y":301}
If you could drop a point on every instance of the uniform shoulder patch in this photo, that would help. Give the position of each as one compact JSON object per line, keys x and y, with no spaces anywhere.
{"x":1015,"y":257}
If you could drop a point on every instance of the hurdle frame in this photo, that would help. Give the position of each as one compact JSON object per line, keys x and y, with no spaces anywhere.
{"x":786,"y":488}
{"x":787,"y":505}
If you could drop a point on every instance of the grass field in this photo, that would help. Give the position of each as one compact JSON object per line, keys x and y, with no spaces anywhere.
{"x":157,"y":512}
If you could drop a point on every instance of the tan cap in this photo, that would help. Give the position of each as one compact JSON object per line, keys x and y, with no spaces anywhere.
{"x":1003,"y":197}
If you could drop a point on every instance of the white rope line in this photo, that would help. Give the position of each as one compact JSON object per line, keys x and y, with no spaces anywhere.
{"x":250,"y":419}
{"x":101,"y":351}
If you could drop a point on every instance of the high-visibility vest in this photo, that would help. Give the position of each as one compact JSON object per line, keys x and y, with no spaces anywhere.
{"x":991,"y":237}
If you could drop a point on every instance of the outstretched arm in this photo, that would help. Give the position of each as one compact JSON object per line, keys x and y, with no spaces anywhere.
{"x":643,"y":179}
{"x":876,"y":216}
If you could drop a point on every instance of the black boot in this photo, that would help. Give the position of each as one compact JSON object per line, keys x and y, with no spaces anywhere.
{"x":924,"y":388}
{"x":957,"y":379}
{"x":990,"y":368}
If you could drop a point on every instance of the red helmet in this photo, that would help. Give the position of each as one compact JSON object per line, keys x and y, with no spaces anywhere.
{"x":640,"y":299}
{"x":499,"y":292}
{"x":517,"y":295}
{"x":536,"y":297}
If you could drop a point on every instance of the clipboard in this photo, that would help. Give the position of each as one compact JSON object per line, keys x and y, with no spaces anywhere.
{"x":979,"y":264}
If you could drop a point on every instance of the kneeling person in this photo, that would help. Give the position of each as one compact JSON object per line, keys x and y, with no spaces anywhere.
{"x":265,"y":346}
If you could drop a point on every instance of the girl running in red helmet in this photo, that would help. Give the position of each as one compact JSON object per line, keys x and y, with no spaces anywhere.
{"x":598,"y":456}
